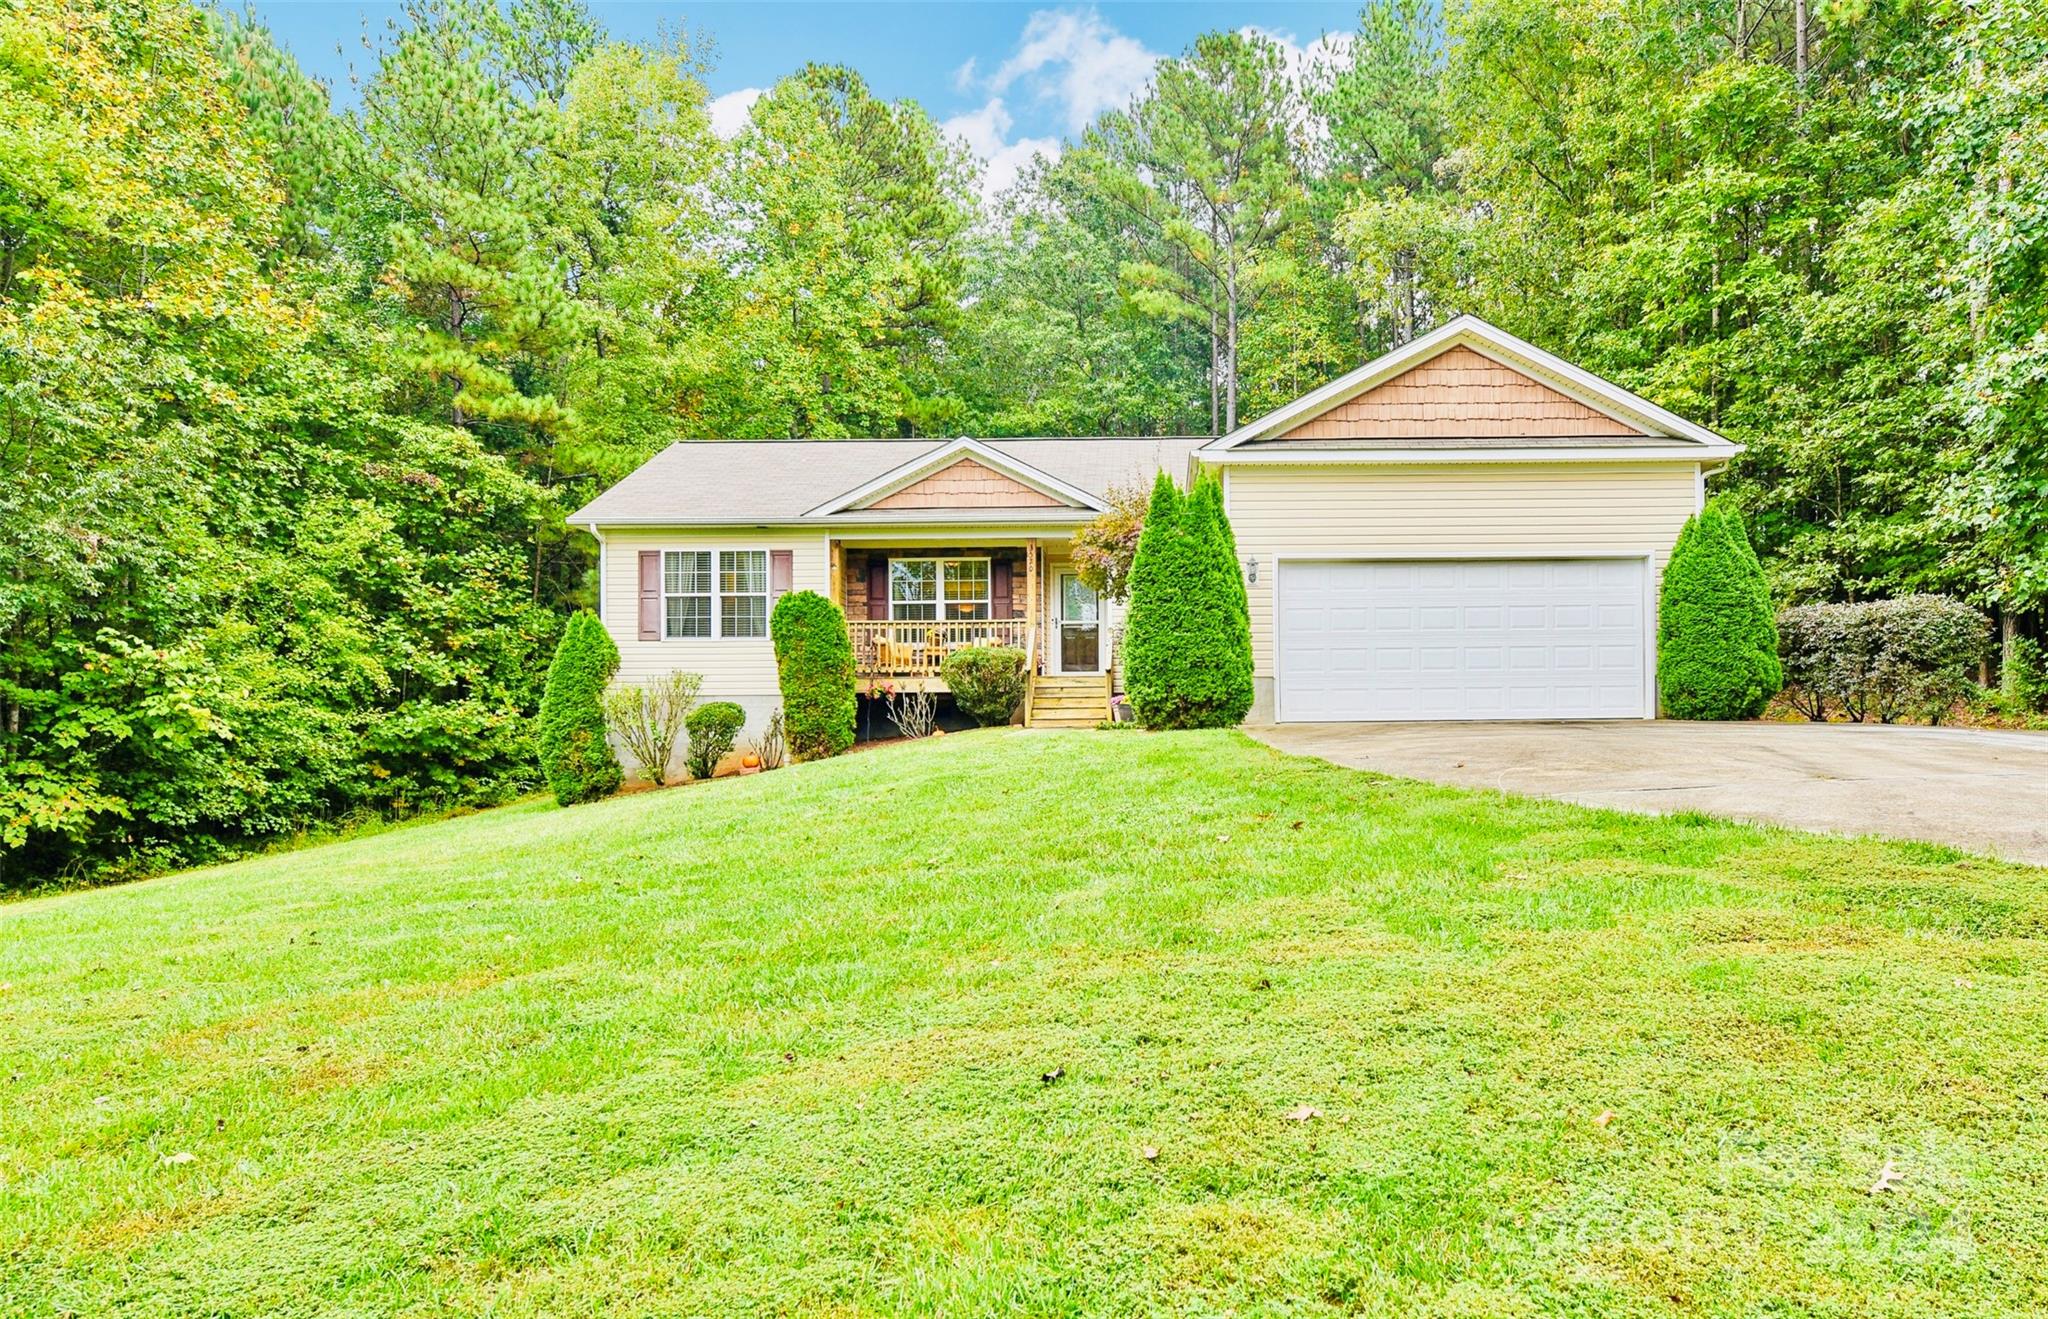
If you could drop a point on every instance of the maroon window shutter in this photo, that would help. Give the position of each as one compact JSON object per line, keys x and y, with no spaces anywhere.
{"x":878,"y":586}
{"x":650,"y":595}
{"x":999,"y":602}
{"x":781,"y":569}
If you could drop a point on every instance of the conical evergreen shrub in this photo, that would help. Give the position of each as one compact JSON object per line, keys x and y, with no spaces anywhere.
{"x":814,"y":667}
{"x":1717,"y":641}
{"x":1219,"y":691}
{"x":1765,"y":625}
{"x":575,"y":756}
{"x":1187,"y":644}
{"x":1149,"y":655}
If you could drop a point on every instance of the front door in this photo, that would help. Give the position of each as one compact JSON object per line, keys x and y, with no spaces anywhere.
{"x":1078,"y":618}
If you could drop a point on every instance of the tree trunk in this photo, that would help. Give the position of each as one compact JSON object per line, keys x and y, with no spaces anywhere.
{"x":2008,"y":642}
{"x":1799,"y":43}
{"x":1213,"y":403}
{"x":1230,"y":353}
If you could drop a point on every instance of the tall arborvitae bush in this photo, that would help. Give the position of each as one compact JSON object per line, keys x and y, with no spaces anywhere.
{"x":1188,"y":644}
{"x":1149,"y":654}
{"x":574,"y":753}
{"x":1221,"y":647}
{"x":814,"y":664}
{"x":1717,"y":641}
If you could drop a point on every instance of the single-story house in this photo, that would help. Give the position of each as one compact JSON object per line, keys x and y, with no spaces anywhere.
{"x":1466,"y":528}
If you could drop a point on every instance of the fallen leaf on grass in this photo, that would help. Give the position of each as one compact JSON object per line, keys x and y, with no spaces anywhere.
{"x":182,"y":1156}
{"x":1887,"y":1178}
{"x":1047,"y":1078}
{"x":1606,"y":1116}
{"x":1149,"y":1153}
{"x":1303,"y":1112}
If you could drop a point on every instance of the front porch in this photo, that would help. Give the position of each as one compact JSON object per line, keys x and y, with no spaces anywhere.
{"x":909,"y":606}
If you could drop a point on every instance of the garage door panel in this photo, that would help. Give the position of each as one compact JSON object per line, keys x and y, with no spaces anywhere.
{"x":1462,"y":639}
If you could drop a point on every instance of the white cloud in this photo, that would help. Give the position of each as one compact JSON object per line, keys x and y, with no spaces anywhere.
{"x":729,"y":112}
{"x":1076,"y":59}
{"x":986,"y":132}
{"x":963,"y":77}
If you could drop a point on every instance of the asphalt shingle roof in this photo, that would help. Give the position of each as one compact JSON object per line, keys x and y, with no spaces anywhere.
{"x":756,"y":482}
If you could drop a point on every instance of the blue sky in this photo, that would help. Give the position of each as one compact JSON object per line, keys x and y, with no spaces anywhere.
{"x":1009,"y":79}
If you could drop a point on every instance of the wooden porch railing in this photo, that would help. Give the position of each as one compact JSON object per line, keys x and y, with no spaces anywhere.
{"x":915,"y":650}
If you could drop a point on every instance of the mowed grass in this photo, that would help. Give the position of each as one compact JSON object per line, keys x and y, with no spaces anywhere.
{"x":782,"y":1045}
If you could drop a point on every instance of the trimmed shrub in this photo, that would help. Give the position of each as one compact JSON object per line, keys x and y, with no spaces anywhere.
{"x":1149,"y":658}
{"x":1717,"y":646}
{"x":574,"y":753}
{"x":987,"y":681}
{"x":713,"y":730}
{"x":1814,"y":645}
{"x":1882,"y":660}
{"x":814,"y":665}
{"x":1187,"y":647}
{"x":1221,"y":647}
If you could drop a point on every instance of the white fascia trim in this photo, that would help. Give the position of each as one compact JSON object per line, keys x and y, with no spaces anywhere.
{"x":1489,"y":341}
{"x":1437,"y":457}
{"x":937,"y":460}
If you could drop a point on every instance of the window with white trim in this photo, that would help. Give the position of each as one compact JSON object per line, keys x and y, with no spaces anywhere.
{"x":925,"y":590}
{"x":743,"y":593}
{"x":685,"y":594}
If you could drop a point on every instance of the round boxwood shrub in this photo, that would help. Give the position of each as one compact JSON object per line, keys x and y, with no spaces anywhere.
{"x":814,"y":665}
{"x":1188,"y":643}
{"x":987,"y":681}
{"x":1717,"y":643}
{"x":713,"y":729}
{"x":575,"y":756}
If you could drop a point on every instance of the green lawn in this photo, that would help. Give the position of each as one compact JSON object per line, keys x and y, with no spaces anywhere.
{"x":780,"y":1045}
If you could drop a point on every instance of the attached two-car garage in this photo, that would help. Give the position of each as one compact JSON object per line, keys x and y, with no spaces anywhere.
{"x":1462,"y":639}
{"x":1468,"y":527}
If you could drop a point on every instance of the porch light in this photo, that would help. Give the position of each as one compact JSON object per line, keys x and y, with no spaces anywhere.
{"x":1251,"y":570}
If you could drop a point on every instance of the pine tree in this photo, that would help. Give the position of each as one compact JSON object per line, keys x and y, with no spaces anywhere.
{"x":574,"y":753}
{"x":1717,"y":644}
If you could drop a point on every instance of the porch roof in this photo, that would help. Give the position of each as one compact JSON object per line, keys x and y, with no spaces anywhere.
{"x":780,"y":482}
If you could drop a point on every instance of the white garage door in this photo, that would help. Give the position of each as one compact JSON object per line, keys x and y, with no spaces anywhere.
{"x":1492,"y":639}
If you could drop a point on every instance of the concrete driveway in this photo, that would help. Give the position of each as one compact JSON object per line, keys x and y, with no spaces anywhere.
{"x":1987,"y":792}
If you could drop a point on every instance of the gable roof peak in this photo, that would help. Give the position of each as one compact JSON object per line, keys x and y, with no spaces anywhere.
{"x":1657,"y":425}
{"x":945,"y":455}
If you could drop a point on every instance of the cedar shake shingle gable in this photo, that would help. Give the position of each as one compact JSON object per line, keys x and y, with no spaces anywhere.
{"x":1460,"y":394}
{"x":966,"y":484}
{"x":1468,"y":392}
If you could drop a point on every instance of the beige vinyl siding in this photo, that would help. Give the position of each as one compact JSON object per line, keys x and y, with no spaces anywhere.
{"x":739,"y":669}
{"x":1465,"y":510}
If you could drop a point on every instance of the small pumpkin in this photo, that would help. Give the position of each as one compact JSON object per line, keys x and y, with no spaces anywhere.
{"x":750,"y":761}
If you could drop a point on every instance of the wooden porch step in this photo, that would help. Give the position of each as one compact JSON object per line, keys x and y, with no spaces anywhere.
{"x":1068,"y":700}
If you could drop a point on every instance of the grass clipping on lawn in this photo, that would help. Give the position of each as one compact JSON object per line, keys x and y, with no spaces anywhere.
{"x":1010,"y":1022}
